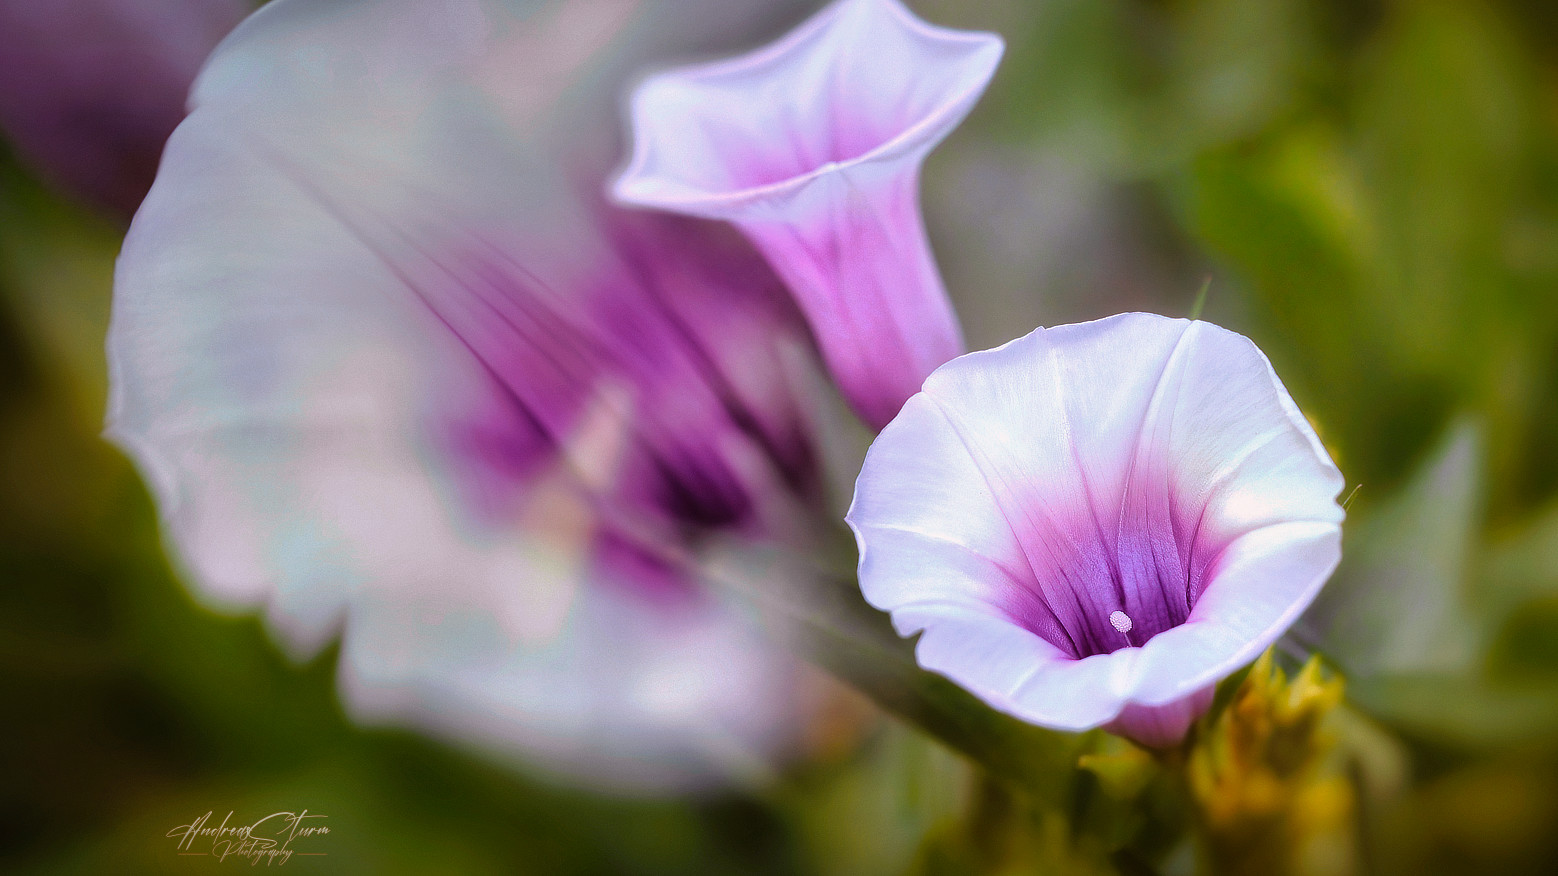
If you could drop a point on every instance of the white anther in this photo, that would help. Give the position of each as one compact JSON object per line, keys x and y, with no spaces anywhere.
{"x":1120,"y":621}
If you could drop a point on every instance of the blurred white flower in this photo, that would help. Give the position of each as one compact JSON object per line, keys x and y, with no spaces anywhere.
{"x":395,"y":369}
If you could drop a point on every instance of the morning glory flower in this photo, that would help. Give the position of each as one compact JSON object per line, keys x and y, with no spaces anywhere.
{"x":90,"y":89}
{"x":812,"y":146}
{"x":1094,"y":524}
{"x":395,"y":370}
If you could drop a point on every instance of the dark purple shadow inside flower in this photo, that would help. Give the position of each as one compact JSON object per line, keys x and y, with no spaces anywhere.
{"x":656,"y":348}
{"x":1098,"y":585}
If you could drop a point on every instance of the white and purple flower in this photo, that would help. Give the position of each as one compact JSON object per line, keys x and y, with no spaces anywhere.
{"x":1094,"y":524}
{"x":394,"y":368}
{"x":812,"y":146}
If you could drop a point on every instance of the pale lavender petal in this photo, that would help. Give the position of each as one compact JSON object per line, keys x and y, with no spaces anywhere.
{"x":1139,"y":493}
{"x":393,"y":368}
{"x":621,"y":677}
{"x":90,"y":89}
{"x":813,"y":146}
{"x":1014,"y":670}
{"x":1263,"y":582}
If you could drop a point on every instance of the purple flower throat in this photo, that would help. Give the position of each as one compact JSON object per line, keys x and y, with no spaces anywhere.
{"x":1094,"y":588}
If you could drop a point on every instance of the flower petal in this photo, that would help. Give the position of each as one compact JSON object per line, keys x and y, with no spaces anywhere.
{"x":1138,"y":494}
{"x":812,"y":146}
{"x":620,"y":681}
{"x":387,"y":371}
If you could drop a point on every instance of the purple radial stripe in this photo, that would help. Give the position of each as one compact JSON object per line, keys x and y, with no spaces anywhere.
{"x":668,"y":349}
{"x":1081,"y":579}
{"x":621,"y":560}
{"x":699,"y":321}
{"x":636,"y":373}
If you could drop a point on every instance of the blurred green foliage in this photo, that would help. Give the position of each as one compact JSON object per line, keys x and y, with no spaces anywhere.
{"x":1373,"y":189}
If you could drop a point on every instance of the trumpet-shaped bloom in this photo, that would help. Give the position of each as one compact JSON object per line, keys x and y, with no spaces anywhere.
{"x":1095,"y":523}
{"x":395,"y":369}
{"x":812,"y":146}
{"x":90,"y":89}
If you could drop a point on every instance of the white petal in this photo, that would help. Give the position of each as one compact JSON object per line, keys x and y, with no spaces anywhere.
{"x":942,"y":506}
{"x":622,"y":679}
{"x":1014,"y":670}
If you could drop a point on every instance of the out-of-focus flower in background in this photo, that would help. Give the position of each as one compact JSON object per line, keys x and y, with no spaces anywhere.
{"x":90,"y":89}
{"x":812,"y":146}
{"x":1096,"y":523}
{"x":394,"y":368}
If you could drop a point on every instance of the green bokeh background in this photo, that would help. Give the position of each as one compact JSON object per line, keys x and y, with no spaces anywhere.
{"x":1372,"y":190}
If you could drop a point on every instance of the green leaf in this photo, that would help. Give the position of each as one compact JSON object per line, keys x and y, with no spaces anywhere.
{"x":1398,"y":604}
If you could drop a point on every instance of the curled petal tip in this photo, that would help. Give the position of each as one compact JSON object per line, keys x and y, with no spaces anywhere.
{"x":863,"y":82}
{"x":812,"y":146}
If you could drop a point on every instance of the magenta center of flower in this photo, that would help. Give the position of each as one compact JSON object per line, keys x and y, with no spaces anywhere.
{"x":636,"y":378}
{"x":1104,"y":581}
